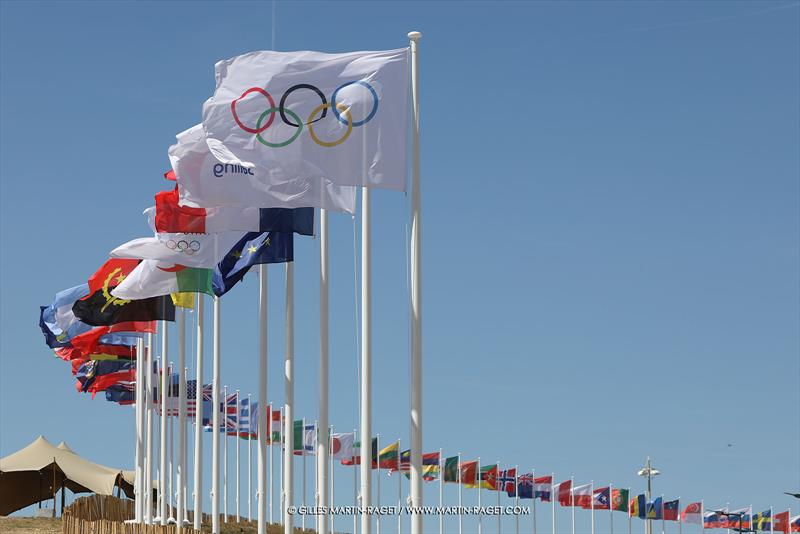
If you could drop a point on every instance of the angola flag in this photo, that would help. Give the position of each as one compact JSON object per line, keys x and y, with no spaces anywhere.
{"x":619,"y":499}
{"x":451,"y":469}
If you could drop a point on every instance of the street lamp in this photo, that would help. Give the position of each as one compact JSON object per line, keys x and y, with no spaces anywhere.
{"x":649,"y":471}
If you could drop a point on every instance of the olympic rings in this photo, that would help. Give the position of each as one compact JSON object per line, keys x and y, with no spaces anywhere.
{"x":272,"y":110}
{"x":374,"y":102}
{"x":340,"y":111}
{"x":294,"y":88}
{"x":258,"y":129}
{"x":187,"y":247}
{"x":322,"y":108}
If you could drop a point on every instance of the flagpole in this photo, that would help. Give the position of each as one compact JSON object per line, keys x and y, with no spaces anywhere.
{"x":460,"y":502}
{"x":400,"y":486}
{"x":263,"y":369}
{"x":268,"y":436}
{"x":184,"y":429}
{"x":499,"y":523}
{"x":553,"y":498}
{"x":416,"y":295}
{"x":303,"y":452}
{"x":250,"y":457}
{"x":139,"y":450}
{"x":572,"y":500}
{"x":611,"y":506}
{"x":316,"y":468}
{"x":323,"y":442}
{"x":198,"y":421}
{"x":162,"y":475}
{"x":516,"y":496}
{"x":771,"y":522}
{"x":441,"y":494}
{"x":238,"y":469}
{"x":355,"y":485}
{"x":533,"y":497}
{"x":378,"y":483}
{"x":630,"y":519}
{"x":366,"y":360}
{"x":591,"y":502}
{"x":478,"y":477}
{"x":225,"y":455}
{"x":148,"y":481}
{"x":181,"y":467}
{"x":664,"y":521}
{"x":215,"y":422}
{"x":288,"y":453}
{"x":680,"y":517}
{"x":330,"y":470}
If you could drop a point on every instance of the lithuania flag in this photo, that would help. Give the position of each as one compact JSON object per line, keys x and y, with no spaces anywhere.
{"x":387,"y":458}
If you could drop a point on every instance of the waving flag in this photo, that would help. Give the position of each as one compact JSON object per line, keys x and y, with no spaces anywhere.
{"x":248,"y":427}
{"x":655,"y":508}
{"x":342,"y":445}
{"x":309,"y":116}
{"x":601,"y":499}
{"x":168,"y":216}
{"x":451,"y":469}
{"x":252,"y":249}
{"x":120,"y":394}
{"x":206,"y":181}
{"x":780,"y":522}
{"x":469,"y":473}
{"x":191,"y":250}
{"x":153,"y":279}
{"x":582,"y":496}
{"x":564,"y":493}
{"x":637,"y":507}
{"x":761,"y":520}
{"x":388,"y":456}
{"x":543,"y":487}
{"x":487,"y":477}
{"x":101,"y":308}
{"x":794,"y":523}
{"x":619,"y":500}
{"x":507,"y":481}
{"x":672,"y":510}
{"x":275,"y":426}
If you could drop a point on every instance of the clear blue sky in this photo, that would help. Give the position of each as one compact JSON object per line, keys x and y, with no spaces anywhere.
{"x":611,"y":227}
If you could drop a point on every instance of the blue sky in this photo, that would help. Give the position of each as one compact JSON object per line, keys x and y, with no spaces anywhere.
{"x":610,"y":196}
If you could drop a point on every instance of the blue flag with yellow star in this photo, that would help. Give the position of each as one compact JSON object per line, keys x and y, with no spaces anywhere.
{"x":252,"y":249}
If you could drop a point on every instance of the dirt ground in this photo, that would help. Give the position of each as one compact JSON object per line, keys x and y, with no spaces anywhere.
{"x":36,"y":525}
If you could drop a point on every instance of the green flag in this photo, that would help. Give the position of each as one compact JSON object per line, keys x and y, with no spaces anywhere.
{"x":298,"y":435}
{"x":451,"y":469}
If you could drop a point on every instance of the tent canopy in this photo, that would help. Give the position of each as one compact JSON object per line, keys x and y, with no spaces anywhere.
{"x":38,"y":471}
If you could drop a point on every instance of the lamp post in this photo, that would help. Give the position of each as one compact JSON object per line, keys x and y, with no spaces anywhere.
{"x":649,"y":472}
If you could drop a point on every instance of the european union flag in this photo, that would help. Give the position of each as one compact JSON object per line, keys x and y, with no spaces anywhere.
{"x":253,"y":249}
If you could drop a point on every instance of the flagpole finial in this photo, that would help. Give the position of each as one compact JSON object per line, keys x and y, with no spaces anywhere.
{"x":415,"y":36}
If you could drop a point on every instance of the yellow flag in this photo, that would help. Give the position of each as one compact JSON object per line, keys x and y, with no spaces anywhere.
{"x":184,"y":300}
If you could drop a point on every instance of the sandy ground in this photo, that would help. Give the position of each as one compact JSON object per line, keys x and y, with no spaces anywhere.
{"x":30,"y":525}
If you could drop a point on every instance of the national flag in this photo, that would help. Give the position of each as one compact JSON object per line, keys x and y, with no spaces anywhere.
{"x":275,"y":425}
{"x":734,"y":517}
{"x":487,"y":477}
{"x":88,"y":373}
{"x":637,"y":506}
{"x":507,"y":481}
{"x":120,"y":395}
{"x":100,"y":308}
{"x":524,"y":486}
{"x":342,"y":445}
{"x":543,"y":487}
{"x":248,"y":427}
{"x":672,"y":510}
{"x":429,"y":472}
{"x":564,"y":493}
{"x":619,"y":499}
{"x":795,"y":523}
{"x":469,"y":473}
{"x":451,"y":469}
{"x":335,"y":112}
{"x":582,"y":496}
{"x":388,"y":456}
{"x":714,"y":519}
{"x":231,"y":413}
{"x":761,"y":520}
{"x":297,"y":435}
{"x":189,"y":250}
{"x":780,"y":522}
{"x":310,"y":439}
{"x":428,"y":458}
{"x":152,"y":279}
{"x":168,"y":216}
{"x":101,"y":352}
{"x":183,"y":300}
{"x":252,"y":249}
{"x":601,"y":498}
{"x":173,"y":397}
{"x":206,"y":181}
{"x":356,"y":458}
{"x":123,"y":379}
{"x":117,"y":334}
{"x":655,"y":508}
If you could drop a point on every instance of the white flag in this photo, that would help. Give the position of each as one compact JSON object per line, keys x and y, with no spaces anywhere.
{"x":310,"y":440}
{"x":307,"y":117}
{"x":206,"y":181}
{"x":152,"y":279}
{"x":191,"y":250}
{"x":342,"y":446}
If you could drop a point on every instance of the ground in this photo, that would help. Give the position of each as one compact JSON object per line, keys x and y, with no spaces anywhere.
{"x":36,"y":525}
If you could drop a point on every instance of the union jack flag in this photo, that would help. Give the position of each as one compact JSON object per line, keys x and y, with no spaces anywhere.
{"x":227,"y":409}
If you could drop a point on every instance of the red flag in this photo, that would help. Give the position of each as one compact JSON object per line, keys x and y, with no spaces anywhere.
{"x":469,"y":472}
{"x":780,"y":522}
{"x":172,"y":217}
{"x":170,"y":175}
{"x":564,"y":493}
{"x":111,"y":274}
{"x":103,"y":382}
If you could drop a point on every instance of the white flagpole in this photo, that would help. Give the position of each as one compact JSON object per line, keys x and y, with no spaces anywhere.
{"x":225,"y":454}
{"x":630,"y":519}
{"x":215,"y":422}
{"x":148,"y":480}
{"x":591,"y":496}
{"x":572,"y":500}
{"x":198,"y":421}
{"x":303,"y":452}
{"x":400,"y":486}
{"x":268,"y":439}
{"x":330,"y":470}
{"x":478,"y":477}
{"x":323,"y":442}
{"x":663,"y":521}
{"x":533,"y":496}
{"x":680,"y":517}
{"x":553,"y":498}
{"x":516,"y":497}
{"x":185,"y":431}
{"x":460,"y":502}
{"x":281,"y":445}
{"x":611,"y":506}
{"x":441,"y":494}
{"x":236,"y":441}
{"x":162,"y":475}
{"x":250,"y":457}
{"x":378,"y":483}
{"x":263,"y":370}
{"x":497,"y":490}
{"x":288,"y":453}
{"x":416,"y":295}
{"x":171,"y":446}
{"x":355,"y":484}
{"x":366,"y":361}
{"x":316,"y":468}
{"x":138,"y":486}
{"x":181,"y":467}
